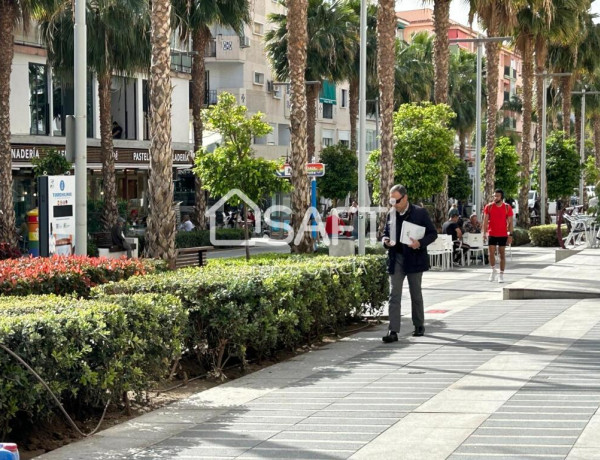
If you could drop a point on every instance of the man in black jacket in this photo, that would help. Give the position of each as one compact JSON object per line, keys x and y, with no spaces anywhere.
{"x":406,"y":260}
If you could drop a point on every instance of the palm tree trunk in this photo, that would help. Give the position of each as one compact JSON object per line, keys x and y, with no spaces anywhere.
{"x":8,"y":231}
{"x":298,"y":40}
{"x":161,"y":222}
{"x":353,"y":97}
{"x":527,"y":53}
{"x":578,"y":128}
{"x":492,"y":54}
{"x":596,"y":121}
{"x":386,"y":29}
{"x":312,"y":95}
{"x":441,"y":51}
{"x":200,"y":38}
{"x":462,"y":146}
{"x":110,"y":210}
{"x":566,"y":85}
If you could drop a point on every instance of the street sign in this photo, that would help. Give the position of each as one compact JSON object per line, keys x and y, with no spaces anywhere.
{"x":285,"y":170}
{"x":315,"y":169}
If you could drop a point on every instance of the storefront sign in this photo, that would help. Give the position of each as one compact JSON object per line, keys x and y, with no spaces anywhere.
{"x":23,"y":154}
{"x":284,"y":170}
{"x":315,"y":169}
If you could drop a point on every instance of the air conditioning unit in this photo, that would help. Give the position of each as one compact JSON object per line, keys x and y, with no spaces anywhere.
{"x":244,"y":41}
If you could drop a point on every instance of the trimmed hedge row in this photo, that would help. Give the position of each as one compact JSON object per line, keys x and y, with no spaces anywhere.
{"x":545,"y":235}
{"x":65,"y":275}
{"x":88,"y":351}
{"x":277,"y":301}
{"x":520,"y":237}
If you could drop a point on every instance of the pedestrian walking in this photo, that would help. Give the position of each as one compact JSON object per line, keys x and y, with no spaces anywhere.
{"x":497,"y":229}
{"x":406,"y":260}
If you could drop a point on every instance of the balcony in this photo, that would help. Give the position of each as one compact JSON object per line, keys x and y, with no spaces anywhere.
{"x":231,"y":48}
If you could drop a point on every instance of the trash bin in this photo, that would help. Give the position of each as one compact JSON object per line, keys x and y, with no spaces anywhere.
{"x":34,"y":232}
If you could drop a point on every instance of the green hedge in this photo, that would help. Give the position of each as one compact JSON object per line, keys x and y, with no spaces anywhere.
{"x":87,"y":351}
{"x":545,"y":235}
{"x":197,"y":238}
{"x":272,"y":302}
{"x":520,"y":237}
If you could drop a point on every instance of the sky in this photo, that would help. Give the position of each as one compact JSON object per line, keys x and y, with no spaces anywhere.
{"x":459,"y":10}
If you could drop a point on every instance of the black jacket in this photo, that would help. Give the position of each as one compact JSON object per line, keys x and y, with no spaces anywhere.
{"x":415,"y":260}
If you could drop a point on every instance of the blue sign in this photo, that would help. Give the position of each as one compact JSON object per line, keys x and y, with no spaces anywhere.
{"x":62,"y":185}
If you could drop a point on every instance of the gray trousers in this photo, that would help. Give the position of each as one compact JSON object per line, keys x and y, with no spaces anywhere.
{"x":416,"y":296}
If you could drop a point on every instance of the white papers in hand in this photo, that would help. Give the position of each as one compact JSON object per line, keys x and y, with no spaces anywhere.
{"x":410,"y":230}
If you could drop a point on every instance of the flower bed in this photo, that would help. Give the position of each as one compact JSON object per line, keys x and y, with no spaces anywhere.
{"x":88,"y":351}
{"x":64,"y":275}
{"x":272,"y":302}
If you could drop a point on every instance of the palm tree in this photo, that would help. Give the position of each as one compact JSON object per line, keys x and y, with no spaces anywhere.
{"x":528,"y":17}
{"x":161,"y":221}
{"x":498,"y":18}
{"x":441,"y":50}
{"x":330,"y":50}
{"x":386,"y":55}
{"x":297,"y":32}
{"x":462,"y":94}
{"x":353,"y":78}
{"x":118,"y":43}
{"x":12,"y":13}
{"x":194,"y":18}
{"x":414,"y":74}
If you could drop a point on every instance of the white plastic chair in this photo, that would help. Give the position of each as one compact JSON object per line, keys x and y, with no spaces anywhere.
{"x":448,"y":248}
{"x":475,"y":241}
{"x":438,"y":255}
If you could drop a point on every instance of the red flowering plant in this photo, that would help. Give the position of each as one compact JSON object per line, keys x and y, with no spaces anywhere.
{"x":9,"y":252}
{"x":64,"y":275}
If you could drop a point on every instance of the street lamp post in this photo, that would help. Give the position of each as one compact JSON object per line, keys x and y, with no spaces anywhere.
{"x":362,"y":129}
{"x":542,"y":186}
{"x":478,"y":42}
{"x":80,"y":93}
{"x":583,"y":93}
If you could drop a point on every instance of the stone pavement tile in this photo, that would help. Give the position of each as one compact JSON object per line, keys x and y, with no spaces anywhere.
{"x":295,"y":454}
{"x":493,"y":449}
{"x":174,"y":452}
{"x":590,"y":438}
{"x":584,"y":453}
{"x":148,"y":432}
{"x":419,"y":436}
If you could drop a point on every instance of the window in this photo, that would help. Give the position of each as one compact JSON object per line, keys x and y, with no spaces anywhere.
{"x":258,"y":28}
{"x":345,"y":143}
{"x":277,"y":91}
{"x":327,"y":111}
{"x":63,"y":104}
{"x":38,"y":99}
{"x":327,"y":141}
{"x":259,"y":78}
{"x":344,"y":98}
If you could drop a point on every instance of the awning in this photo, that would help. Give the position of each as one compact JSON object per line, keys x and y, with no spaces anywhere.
{"x":327,"y":94}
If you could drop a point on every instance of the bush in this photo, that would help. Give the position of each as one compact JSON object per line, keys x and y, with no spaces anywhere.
{"x":274,"y":301}
{"x":87,"y":351}
{"x":545,"y":235}
{"x":64,"y":275}
{"x":520,"y":237}
{"x":197,"y":238}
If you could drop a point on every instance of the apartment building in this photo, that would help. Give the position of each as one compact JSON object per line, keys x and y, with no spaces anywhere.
{"x":40,"y":102}
{"x":240,"y":66}
{"x":510,"y":63}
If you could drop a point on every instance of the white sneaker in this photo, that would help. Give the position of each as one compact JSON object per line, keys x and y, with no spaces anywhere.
{"x":500,"y":277}
{"x":493,"y":275}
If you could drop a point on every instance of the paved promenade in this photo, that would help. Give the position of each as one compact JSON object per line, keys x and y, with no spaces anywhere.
{"x":492,"y":379}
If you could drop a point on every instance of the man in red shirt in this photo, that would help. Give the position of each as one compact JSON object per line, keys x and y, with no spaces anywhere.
{"x":497,"y":218}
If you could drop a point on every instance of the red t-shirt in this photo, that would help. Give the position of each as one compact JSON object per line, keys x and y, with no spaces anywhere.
{"x":332,"y":225}
{"x":497,"y":225}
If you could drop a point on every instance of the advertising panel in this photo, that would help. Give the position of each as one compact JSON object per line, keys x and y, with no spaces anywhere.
{"x":57,"y":215}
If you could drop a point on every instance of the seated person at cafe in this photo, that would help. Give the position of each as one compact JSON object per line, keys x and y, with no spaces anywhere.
{"x":186,"y":224}
{"x":118,"y":237}
{"x":451,"y":228}
{"x":472,"y":225}
{"x":332,"y":224}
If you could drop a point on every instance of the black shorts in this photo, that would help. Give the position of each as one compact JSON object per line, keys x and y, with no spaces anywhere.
{"x":498,"y":240}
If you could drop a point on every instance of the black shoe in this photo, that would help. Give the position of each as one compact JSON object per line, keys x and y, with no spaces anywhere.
{"x":419,"y":331}
{"x":390,"y":337}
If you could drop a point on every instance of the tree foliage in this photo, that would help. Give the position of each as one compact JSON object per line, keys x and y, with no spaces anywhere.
{"x":341,"y":172}
{"x":459,"y":182}
{"x":233,"y":164}
{"x":591,"y":171}
{"x":423,"y":152}
{"x":53,"y":163}
{"x":563,"y":167}
{"x":507,"y":167}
